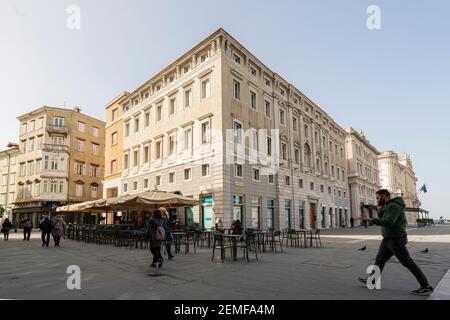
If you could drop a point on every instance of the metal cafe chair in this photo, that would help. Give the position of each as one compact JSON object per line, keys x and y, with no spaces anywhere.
{"x":249,"y":244}
{"x":314,"y":236}
{"x":220,"y":244}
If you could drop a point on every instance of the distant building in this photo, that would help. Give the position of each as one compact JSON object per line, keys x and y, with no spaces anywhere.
{"x":61,"y":161}
{"x":397,"y":175}
{"x":363,"y":176}
{"x":8,"y":176}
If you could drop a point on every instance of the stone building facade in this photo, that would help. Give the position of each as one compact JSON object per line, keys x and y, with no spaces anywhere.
{"x":8,"y":175}
{"x":363,"y":175}
{"x":219,"y":126}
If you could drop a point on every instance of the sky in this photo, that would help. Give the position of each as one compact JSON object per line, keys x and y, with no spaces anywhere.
{"x":393,"y":83}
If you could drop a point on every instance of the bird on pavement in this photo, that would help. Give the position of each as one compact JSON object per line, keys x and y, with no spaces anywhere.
{"x":425,"y":251}
{"x":363,"y":248}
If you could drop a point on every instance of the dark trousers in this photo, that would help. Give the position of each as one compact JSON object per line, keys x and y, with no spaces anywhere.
{"x":6,"y":234}
{"x":397,"y":247}
{"x":57,"y":239}
{"x":45,"y":238}
{"x":26,"y":234}
{"x":156,"y":251}
{"x":169,"y":249}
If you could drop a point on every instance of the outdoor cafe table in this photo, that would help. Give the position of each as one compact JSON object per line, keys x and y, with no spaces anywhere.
{"x":234,"y":240}
{"x":209,"y":236}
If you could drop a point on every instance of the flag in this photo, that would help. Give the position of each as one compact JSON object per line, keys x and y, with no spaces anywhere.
{"x":424,"y":188}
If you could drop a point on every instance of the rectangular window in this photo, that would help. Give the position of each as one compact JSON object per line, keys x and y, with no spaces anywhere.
{"x":256,"y":174}
{"x":237,"y":90}
{"x":206,"y":135}
{"x":136,"y":158}
{"x":295,"y":124}
{"x":173,"y":106}
{"x":287,"y":180}
{"x":238,"y":170}
{"x":114,"y":138}
{"x":187,"y":140}
{"x":126,"y":161}
{"x":297,"y":156}
{"x":79,"y":168}
{"x":159,"y":151}
{"x":95,"y":171}
{"x":237,"y":133}
{"x":146,"y":154}
{"x":158,"y":181}
{"x":81,"y":126}
{"x":113,"y":166}
{"x":136,"y":125}
{"x":96,"y":132}
{"x":127,"y":129}
{"x":270,"y":178}
{"x":95,"y":149}
{"x":306,"y":131}
{"x":187,"y":174}
{"x":269,"y":146}
{"x":268,"y":109}
{"x":58,"y":122}
{"x":147,"y":119}
{"x":114,"y":114}
{"x":205,"y":170}
{"x":300,"y":183}
{"x":135,"y":186}
{"x":172,"y":144}
{"x":188,"y":98}
{"x":171,"y":177}
{"x":282,"y":117}
{"x":253,"y":100}
{"x":80,"y":145}
{"x":206,"y":89}
{"x":94,"y":192}
{"x":158,"y":113}
{"x":146,"y":183}
{"x":79,"y":190}
{"x":284,"y":152}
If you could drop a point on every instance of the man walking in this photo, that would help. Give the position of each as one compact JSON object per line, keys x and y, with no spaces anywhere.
{"x":46,"y":229}
{"x":27,"y":226}
{"x":392,"y":218}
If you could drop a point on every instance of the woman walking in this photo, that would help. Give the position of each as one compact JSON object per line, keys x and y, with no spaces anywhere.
{"x":166,"y":225}
{"x":6,"y":227}
{"x":58,"y":230}
{"x":156,"y":235}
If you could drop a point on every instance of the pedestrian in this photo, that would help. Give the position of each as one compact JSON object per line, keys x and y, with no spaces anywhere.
{"x":156,"y":235}
{"x":392,"y":219}
{"x":58,"y":230}
{"x":165,"y":221}
{"x":352,"y":222}
{"x":27,"y":227}
{"x":15,"y":226}
{"x":236,"y":227}
{"x":46,"y":228}
{"x":6,"y":227}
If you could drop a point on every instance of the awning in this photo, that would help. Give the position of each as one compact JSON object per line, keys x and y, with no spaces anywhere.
{"x":136,"y":202}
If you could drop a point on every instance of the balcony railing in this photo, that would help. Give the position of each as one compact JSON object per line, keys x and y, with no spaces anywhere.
{"x":55,"y":148}
{"x":57,"y":129}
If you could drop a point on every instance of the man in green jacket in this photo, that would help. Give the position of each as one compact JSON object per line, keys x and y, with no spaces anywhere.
{"x":392,"y":219}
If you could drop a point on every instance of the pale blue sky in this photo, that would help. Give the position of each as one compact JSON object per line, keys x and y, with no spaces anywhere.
{"x":393,"y":83}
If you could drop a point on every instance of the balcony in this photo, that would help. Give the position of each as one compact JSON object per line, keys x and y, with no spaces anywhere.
{"x":55,"y":148}
{"x":57,"y":129}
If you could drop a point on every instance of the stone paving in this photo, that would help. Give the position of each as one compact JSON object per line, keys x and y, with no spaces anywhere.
{"x":29,"y":271}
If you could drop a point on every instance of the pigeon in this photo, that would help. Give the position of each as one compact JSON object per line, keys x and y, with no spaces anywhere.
{"x":363,"y":248}
{"x":425,"y":251}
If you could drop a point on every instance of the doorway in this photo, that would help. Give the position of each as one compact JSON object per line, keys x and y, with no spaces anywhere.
{"x":313,"y":217}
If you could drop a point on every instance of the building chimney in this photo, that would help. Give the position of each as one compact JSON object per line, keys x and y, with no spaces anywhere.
{"x":77,"y":110}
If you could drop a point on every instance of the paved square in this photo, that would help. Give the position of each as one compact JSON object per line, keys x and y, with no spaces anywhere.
{"x":29,"y":271}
